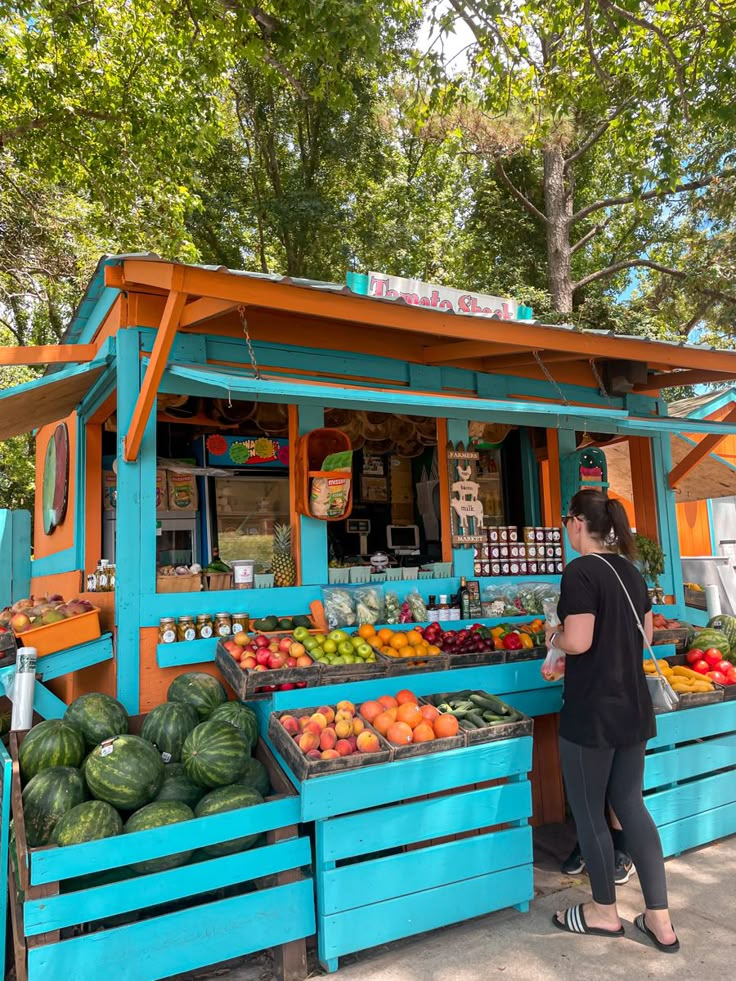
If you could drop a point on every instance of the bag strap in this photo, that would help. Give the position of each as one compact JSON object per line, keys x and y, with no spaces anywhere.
{"x":642,"y":631}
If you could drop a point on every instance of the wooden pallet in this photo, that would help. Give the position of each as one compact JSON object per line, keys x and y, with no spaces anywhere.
{"x":304,"y":768}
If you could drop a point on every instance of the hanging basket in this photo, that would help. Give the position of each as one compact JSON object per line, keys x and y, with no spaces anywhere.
{"x":311,"y":451}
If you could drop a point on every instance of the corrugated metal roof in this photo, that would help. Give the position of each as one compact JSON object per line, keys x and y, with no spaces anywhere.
{"x":684,"y":407}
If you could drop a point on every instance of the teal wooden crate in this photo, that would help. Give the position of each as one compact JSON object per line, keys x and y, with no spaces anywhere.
{"x":690,"y":776}
{"x":141,"y":927}
{"x":395,"y":870}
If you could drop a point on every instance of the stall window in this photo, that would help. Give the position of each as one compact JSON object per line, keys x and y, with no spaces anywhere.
{"x":246,"y":510}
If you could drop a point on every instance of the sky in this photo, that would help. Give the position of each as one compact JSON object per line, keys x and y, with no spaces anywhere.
{"x":452,"y":44}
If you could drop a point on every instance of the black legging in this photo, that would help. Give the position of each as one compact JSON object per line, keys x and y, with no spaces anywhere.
{"x":592,"y":777}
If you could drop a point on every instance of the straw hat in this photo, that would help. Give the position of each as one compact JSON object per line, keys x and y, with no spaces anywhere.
{"x":410,"y":448}
{"x":272,"y":418}
{"x":379,"y":447}
{"x":374,"y":425}
{"x":401,"y":429}
{"x":425,"y":426}
{"x":338,"y":418}
{"x":233,"y":410}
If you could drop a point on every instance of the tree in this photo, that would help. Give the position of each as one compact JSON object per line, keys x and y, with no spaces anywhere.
{"x":611,"y":126}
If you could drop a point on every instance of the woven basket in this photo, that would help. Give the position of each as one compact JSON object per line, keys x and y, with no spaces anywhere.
{"x":178,"y":584}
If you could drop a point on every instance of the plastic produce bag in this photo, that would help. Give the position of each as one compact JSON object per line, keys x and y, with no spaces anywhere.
{"x":393,"y":607}
{"x":530,"y":597}
{"x":369,"y":604}
{"x":418,"y":607}
{"x":554,"y":664}
{"x":498,"y":601}
{"x":339,"y":606}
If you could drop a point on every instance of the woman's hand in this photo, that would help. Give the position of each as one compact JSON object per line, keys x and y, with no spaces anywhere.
{"x":549,"y":629}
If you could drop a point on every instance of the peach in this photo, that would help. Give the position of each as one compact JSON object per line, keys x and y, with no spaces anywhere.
{"x":319,"y":719}
{"x":330,"y":754}
{"x":314,"y":726}
{"x":303,"y":722}
{"x":353,"y":740}
{"x":358,"y":726}
{"x":342,"y":716}
{"x":328,"y":739}
{"x":314,"y":754}
{"x":343,"y":728}
{"x":296,"y":649}
{"x":328,"y":713}
{"x":343,"y":747}
{"x":290,"y":724}
{"x":346,"y":706}
{"x":369,"y":710}
{"x":368,"y":742}
{"x":307,"y":741}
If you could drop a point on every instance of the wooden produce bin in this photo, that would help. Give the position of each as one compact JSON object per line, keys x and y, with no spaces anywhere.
{"x":141,"y":927}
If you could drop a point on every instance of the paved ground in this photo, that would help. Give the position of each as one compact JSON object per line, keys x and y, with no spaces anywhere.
{"x":526,"y":947}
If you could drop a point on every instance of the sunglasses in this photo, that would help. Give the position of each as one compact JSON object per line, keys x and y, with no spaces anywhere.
{"x":567,"y":517}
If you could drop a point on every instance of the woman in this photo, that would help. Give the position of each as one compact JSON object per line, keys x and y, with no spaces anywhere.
{"x":607,"y":716}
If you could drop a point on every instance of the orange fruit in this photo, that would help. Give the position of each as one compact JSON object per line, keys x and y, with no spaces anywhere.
{"x":374,"y":641}
{"x":382,"y":722}
{"x":366,"y":630}
{"x":385,"y":634}
{"x":400,"y":734}
{"x":424,"y":733}
{"x":413,"y":637}
{"x":421,"y":649}
{"x":406,"y":651}
{"x":445,"y":725}
{"x":405,"y":696}
{"x":388,"y":651}
{"x":369,"y":710}
{"x":429,"y":712}
{"x":410,"y":713}
{"x":398,"y":640}
{"x":433,"y":651}
{"x":388,"y":701}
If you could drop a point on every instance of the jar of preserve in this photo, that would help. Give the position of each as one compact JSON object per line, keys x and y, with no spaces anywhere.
{"x":241,"y":621}
{"x":204,"y":627}
{"x":185,"y":628}
{"x":167,"y":630}
{"x":223,"y":624}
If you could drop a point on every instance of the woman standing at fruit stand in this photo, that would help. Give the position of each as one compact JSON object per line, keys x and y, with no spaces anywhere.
{"x":607,"y":716}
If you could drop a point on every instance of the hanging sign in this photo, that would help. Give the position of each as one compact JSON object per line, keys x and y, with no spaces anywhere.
{"x":466,"y":510}
{"x":414,"y":291}
{"x":247,"y":451}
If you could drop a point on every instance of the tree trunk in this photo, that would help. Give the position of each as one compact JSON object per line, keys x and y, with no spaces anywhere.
{"x":558,"y":209}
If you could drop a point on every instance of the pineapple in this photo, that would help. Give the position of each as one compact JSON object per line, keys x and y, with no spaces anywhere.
{"x":283,"y":564}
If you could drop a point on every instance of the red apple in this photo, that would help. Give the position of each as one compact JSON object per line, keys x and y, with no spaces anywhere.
{"x":262,"y":641}
{"x":260,"y":667}
{"x":291,"y":662}
{"x":285,"y":644}
{"x":304,"y":661}
{"x":275,"y":661}
{"x":263,"y":656}
{"x":248,"y":662}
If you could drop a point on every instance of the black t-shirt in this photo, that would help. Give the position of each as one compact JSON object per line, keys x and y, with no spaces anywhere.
{"x":606,"y":701}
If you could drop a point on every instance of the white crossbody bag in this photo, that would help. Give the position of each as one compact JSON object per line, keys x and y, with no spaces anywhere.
{"x":664,"y":698}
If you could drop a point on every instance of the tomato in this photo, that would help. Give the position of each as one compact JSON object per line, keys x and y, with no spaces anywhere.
{"x":717,"y":677}
{"x":694,"y":655}
{"x":724,"y":667}
{"x":713,"y":656}
{"x":702,"y":667}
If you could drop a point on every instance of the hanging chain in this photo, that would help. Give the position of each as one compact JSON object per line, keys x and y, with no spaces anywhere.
{"x":251,"y":352}
{"x":599,"y":381}
{"x":548,"y":376}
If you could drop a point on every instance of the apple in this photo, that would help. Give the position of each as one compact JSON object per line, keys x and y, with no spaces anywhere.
{"x":273,"y":646}
{"x":304,"y":661}
{"x":365,"y":651}
{"x":260,"y":667}
{"x":291,"y":662}
{"x":296,"y":650}
{"x":263,"y":656}
{"x":241,"y":639}
{"x":19,"y":622}
{"x":287,"y":686}
{"x":262,"y":641}
{"x":301,"y":633}
{"x":285,"y":644}
{"x":248,"y":662}
{"x":276,"y":661}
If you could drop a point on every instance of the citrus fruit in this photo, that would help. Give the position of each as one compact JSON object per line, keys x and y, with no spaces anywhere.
{"x":398,"y":640}
{"x":385,"y":635}
{"x":366,"y":630}
{"x":399,"y":733}
{"x":388,"y":701}
{"x":445,"y":725}
{"x":405,"y":696}
{"x":423,"y":733}
{"x":429,"y":712}
{"x":382,"y":722}
{"x":369,"y":710}
{"x":410,"y":713}
{"x":413,"y":637}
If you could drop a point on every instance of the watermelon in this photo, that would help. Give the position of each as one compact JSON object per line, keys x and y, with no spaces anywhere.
{"x":201,"y":691}
{"x":90,"y":821}
{"x":712,"y":638}
{"x":727,"y":626}
{"x":125,"y":771}
{"x":214,"y":754}
{"x":50,"y":743}
{"x":98,"y":717}
{"x":47,"y":798}
{"x":228,"y":799}
{"x":159,"y":814}
{"x":167,"y":726}
{"x":238,"y":715}
{"x":178,"y":786}
{"x":255,"y":775}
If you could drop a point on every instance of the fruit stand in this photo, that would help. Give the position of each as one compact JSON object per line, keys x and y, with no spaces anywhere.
{"x":448,"y":414}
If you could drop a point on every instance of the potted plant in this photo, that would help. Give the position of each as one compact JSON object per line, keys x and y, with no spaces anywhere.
{"x":651,"y":562}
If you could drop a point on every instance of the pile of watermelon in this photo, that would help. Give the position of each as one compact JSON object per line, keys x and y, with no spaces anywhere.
{"x":712,"y":651}
{"x":86,"y":777}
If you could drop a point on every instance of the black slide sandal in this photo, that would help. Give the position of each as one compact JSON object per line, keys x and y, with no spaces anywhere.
{"x":640,"y":924}
{"x":575,"y":923}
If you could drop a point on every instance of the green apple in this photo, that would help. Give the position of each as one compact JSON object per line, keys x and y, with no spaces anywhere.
{"x":310,"y":643}
{"x":323,"y":660}
{"x":320,"y":638}
{"x":356,"y":641}
{"x":338,"y":635}
{"x":337,"y":659}
{"x":301,"y":634}
{"x":364,"y":651}
{"x":345,"y":647}
{"x":329,"y":647}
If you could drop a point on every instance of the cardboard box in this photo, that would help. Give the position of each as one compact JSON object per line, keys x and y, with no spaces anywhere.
{"x":182,"y":491}
{"x":162,"y":490}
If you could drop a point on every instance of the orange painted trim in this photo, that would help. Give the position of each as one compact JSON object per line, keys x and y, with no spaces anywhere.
{"x":358,"y":310}
{"x":554,"y":503}
{"x":154,"y":373}
{"x":93,"y":497}
{"x":656,"y":383}
{"x":105,"y":410}
{"x":63,"y":535}
{"x":696,"y":454}
{"x":444,"y":479}
{"x":466,"y":350}
{"x":48,"y":354}
{"x":296,"y":544}
{"x":204,"y":309}
{"x":643,"y":487}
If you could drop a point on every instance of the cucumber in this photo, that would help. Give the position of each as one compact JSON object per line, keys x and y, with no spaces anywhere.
{"x":477,"y":720}
{"x":491,"y":703}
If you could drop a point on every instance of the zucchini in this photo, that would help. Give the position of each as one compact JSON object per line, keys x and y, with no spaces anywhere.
{"x":491,"y":703}
{"x":477,"y":720}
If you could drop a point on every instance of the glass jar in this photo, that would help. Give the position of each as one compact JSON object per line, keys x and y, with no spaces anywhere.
{"x":205,"y":629}
{"x":241,"y":621}
{"x":167,"y":630}
{"x":185,"y":629}
{"x":223,"y":624}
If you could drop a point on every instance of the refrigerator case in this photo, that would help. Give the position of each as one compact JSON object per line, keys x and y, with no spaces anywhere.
{"x":244,"y":510}
{"x":177,"y":537}
{"x":488,"y":475}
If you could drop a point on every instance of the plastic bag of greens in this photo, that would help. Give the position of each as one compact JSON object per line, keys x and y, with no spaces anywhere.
{"x":531,"y":596}
{"x":369,"y":604}
{"x":339,"y":606}
{"x":392,"y":607}
{"x":418,"y":607}
{"x":497,"y":601}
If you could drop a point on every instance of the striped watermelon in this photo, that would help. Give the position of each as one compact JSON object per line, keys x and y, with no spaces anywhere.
{"x":47,"y":798}
{"x":238,"y":715}
{"x":229,"y":799}
{"x":255,"y":775}
{"x":126,"y":771}
{"x":50,"y":743}
{"x":167,"y":726}
{"x":199,"y":690}
{"x":160,"y":814}
{"x":98,"y":717}
{"x":727,"y":626}
{"x":90,"y":821}
{"x":214,"y":754}
{"x":712,"y":638}
{"x":178,"y":786}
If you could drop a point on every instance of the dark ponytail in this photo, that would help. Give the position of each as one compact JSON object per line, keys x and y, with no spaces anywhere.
{"x":606,"y":520}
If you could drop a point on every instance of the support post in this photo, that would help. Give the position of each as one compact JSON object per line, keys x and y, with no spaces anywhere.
{"x":312,"y":532}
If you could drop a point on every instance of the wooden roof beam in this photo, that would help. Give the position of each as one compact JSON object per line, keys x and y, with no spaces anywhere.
{"x":203,"y":309}
{"x":465,"y":350}
{"x":706,"y":445}
{"x":671,"y":379}
{"x":526,"y":359}
{"x":48,"y":354}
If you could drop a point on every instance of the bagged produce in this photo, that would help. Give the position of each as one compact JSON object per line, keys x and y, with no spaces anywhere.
{"x":418,"y":607}
{"x":530,"y":597}
{"x":498,"y":601}
{"x":339,"y":604}
{"x":369,"y":604}
{"x":392,"y":607}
